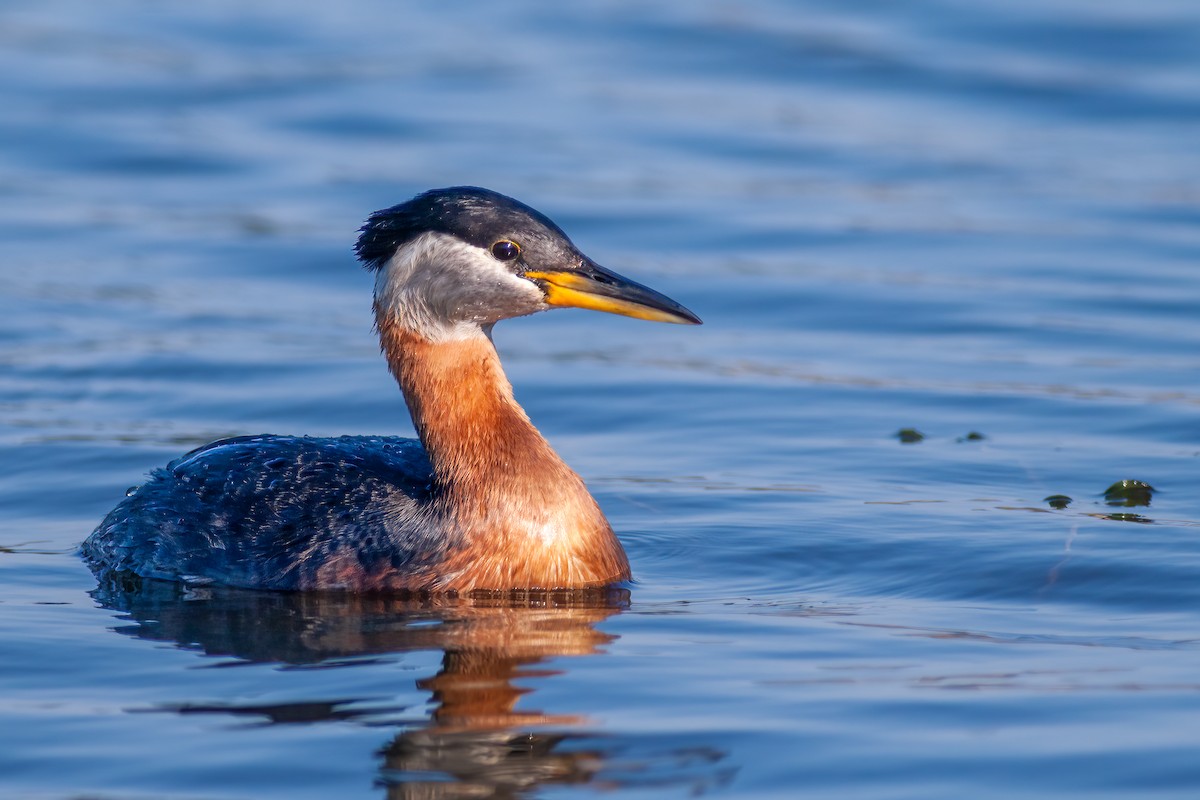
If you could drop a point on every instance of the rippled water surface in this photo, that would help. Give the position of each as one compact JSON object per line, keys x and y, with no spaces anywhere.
{"x":978,"y":221}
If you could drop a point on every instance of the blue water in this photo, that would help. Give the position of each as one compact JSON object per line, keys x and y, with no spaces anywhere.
{"x":956,"y":218}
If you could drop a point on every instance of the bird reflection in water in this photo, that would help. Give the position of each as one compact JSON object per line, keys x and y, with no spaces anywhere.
{"x":476,"y":736}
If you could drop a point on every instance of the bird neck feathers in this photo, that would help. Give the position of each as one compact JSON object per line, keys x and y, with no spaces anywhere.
{"x":508,"y":491}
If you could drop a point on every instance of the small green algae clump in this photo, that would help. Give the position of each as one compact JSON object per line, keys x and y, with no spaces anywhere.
{"x":1129,"y":493}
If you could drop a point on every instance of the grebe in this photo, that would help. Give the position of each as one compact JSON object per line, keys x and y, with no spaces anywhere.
{"x":481,"y":502}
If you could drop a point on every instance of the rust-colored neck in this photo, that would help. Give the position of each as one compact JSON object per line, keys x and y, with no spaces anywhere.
{"x":526,"y":517}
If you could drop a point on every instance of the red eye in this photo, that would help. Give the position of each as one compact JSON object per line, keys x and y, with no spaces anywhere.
{"x":506,"y":250}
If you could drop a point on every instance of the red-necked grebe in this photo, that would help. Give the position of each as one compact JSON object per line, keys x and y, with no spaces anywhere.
{"x":481,"y":502}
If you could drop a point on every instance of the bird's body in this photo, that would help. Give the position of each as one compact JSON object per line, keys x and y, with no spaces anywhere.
{"x":481,"y":502}
{"x":274,"y":512}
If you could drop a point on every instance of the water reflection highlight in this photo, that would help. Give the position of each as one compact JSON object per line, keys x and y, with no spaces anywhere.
{"x":476,"y":741}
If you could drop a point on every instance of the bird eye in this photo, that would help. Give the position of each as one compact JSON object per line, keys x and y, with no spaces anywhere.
{"x":506,"y":250}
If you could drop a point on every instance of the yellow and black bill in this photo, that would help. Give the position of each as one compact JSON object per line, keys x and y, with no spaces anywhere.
{"x":592,"y":286}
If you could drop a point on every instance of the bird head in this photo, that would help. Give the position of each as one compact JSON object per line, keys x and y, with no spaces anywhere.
{"x":451,"y":262}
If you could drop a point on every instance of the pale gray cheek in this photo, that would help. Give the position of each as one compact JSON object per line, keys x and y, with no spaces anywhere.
{"x":445,"y":295}
{"x":436,"y":281}
{"x":491,"y":297}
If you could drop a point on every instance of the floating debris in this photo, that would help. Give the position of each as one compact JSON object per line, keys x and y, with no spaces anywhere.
{"x":909,"y":435}
{"x":1129,"y":493}
{"x":1138,"y":518}
{"x":973,"y":436}
{"x":1058,"y":500}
